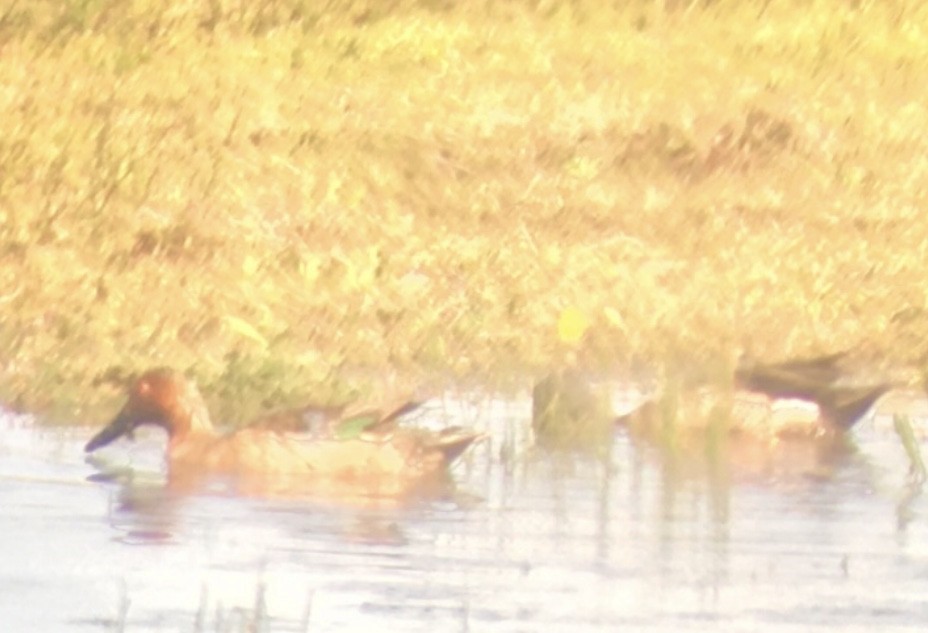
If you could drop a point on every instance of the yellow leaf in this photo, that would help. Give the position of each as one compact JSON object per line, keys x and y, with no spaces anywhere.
{"x":572,"y":325}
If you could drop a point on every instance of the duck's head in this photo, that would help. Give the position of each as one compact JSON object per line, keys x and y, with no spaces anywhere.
{"x":162,"y":397}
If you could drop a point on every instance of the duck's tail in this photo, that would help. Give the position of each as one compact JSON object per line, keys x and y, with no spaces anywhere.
{"x":843,"y":407}
{"x":454,"y":440}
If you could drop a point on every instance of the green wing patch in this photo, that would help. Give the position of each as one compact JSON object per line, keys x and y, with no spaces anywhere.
{"x":352,"y":427}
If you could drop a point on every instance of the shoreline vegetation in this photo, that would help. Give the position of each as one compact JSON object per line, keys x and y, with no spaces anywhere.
{"x":295,"y":201}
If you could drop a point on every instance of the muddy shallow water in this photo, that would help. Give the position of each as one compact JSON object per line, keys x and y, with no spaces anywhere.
{"x":530,"y":541}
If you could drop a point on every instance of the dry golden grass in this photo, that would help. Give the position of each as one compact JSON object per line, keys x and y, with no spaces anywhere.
{"x":290,"y":199}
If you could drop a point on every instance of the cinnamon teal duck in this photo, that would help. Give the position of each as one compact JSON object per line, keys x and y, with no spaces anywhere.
{"x":802,"y":397}
{"x":818,"y":382}
{"x":367,"y":452}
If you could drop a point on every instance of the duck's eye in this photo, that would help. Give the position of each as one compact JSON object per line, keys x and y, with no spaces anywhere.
{"x":142,"y":388}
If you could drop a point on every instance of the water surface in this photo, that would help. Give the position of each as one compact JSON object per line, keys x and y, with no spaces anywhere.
{"x":530,"y":541}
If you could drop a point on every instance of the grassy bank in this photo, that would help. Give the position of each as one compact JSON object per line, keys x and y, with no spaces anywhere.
{"x":289,"y":199}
